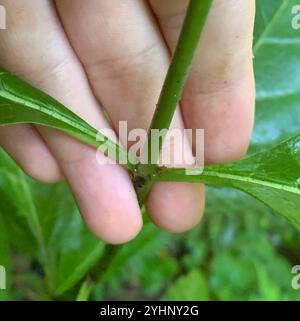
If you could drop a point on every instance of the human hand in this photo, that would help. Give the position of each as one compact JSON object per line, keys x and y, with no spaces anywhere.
{"x":117,"y":52}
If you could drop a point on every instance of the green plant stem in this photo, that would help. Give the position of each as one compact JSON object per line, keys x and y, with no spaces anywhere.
{"x":98,"y":271}
{"x":85,"y":290}
{"x":172,"y":89}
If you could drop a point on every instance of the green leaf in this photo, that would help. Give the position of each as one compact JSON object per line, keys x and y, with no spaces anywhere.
{"x":43,"y":221}
{"x":269,"y":289}
{"x":272,"y":176}
{"x":137,"y":262}
{"x":18,"y":210}
{"x":266,"y":13}
{"x":277,"y":115}
{"x":231,"y":277}
{"x":73,"y":249}
{"x":196,"y":284}
{"x":250,"y":269}
{"x":22,"y":103}
{"x":276,"y":61}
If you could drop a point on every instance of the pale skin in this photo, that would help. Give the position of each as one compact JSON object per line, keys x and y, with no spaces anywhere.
{"x":115,"y":54}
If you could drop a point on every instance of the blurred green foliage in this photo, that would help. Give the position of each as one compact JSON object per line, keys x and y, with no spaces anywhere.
{"x":240,"y":251}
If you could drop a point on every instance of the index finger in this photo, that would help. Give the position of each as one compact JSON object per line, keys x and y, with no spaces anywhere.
{"x":219,"y":94}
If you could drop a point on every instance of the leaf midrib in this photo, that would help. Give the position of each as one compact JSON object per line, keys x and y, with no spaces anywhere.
{"x":260,"y":41}
{"x":9,"y":96}
{"x":251,"y":180}
{"x":85,"y":132}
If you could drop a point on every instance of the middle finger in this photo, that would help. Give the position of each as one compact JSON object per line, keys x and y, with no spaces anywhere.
{"x":126,"y":61}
